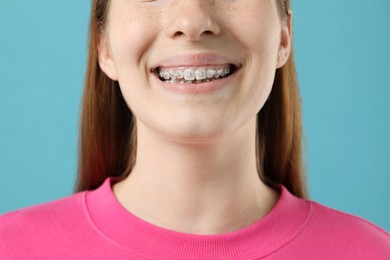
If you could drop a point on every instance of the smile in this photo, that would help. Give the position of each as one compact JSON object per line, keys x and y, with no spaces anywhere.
{"x":194,"y":75}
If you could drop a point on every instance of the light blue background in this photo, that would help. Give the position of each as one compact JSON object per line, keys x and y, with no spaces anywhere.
{"x":343,"y":60}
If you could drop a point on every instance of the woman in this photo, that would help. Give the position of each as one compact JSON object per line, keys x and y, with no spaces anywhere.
{"x":190,"y":145}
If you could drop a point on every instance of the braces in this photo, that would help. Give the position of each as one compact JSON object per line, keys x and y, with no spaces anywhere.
{"x":191,"y":74}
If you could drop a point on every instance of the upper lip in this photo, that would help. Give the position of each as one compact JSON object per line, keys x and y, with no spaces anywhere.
{"x":195,"y":60}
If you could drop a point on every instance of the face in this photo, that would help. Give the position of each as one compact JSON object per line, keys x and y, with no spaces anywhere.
{"x":142,"y":38}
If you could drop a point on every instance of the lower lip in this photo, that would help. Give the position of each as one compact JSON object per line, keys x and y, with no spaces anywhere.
{"x":198,"y":88}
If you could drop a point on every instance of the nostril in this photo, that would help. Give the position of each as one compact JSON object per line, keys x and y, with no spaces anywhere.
{"x":208,"y":32}
{"x":178,"y":34}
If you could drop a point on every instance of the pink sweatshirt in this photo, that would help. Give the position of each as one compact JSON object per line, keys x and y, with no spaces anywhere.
{"x":94,"y":225}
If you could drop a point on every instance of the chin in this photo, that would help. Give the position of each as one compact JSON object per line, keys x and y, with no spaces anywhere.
{"x":188,"y":127}
{"x":193,"y":135}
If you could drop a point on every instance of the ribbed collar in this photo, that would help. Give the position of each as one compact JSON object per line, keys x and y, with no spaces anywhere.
{"x":264,"y":236}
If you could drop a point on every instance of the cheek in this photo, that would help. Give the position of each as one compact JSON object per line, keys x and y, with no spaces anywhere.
{"x":260,"y":38}
{"x":131,"y":35}
{"x":257,"y":28}
{"x":259,"y":32}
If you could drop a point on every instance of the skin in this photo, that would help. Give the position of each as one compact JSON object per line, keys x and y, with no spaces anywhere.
{"x":195,"y":170}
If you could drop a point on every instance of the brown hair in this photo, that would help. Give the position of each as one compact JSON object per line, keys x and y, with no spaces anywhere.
{"x":107,"y":145}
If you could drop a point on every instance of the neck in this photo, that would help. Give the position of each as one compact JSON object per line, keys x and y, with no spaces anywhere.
{"x":208,"y":188}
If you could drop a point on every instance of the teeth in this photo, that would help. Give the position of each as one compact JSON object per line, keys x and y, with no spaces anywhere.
{"x":210,"y":73}
{"x":179,"y":74}
{"x":200,"y":73}
{"x":189,"y":75}
{"x":165,"y":75}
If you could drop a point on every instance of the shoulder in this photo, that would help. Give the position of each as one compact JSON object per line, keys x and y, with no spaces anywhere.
{"x":44,"y":219}
{"x":56,"y":209}
{"x":344,"y":232}
{"x":339,"y":220}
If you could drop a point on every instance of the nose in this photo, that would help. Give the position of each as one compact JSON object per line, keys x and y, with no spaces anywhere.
{"x":191,"y":19}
